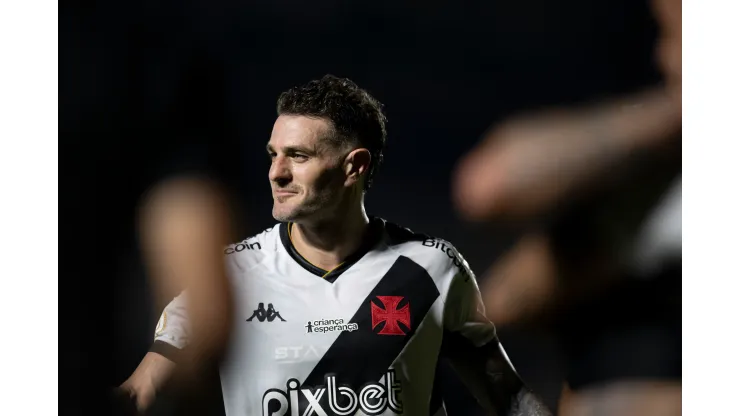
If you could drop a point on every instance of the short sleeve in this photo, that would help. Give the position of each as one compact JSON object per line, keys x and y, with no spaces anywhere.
{"x":173,"y":327}
{"x":465,"y":313}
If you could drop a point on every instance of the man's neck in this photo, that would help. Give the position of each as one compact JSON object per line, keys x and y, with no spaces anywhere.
{"x":326,"y":244}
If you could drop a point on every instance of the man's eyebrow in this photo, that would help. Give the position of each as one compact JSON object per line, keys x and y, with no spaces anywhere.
{"x":300,"y":149}
{"x":294,"y":149}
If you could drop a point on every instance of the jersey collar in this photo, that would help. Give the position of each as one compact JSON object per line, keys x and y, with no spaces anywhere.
{"x":372,"y":236}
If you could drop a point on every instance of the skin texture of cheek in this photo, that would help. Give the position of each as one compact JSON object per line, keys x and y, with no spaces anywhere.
{"x":322,"y":193}
{"x":320,"y":190}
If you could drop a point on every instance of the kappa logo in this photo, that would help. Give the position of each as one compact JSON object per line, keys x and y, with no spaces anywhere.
{"x":263,"y":314}
{"x":390,"y":315}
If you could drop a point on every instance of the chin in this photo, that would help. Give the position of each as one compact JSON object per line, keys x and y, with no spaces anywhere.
{"x":293,"y":214}
{"x":284,"y":215}
{"x":280,"y":216}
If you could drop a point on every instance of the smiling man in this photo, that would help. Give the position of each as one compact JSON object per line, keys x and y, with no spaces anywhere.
{"x":366,"y":307}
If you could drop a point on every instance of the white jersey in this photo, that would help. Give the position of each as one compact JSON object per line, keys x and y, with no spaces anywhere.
{"x":364,"y":338}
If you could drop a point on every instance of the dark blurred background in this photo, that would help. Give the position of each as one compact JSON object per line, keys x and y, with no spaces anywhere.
{"x":152,"y":88}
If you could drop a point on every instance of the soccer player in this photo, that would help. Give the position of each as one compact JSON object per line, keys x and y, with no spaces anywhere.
{"x":366,"y":308}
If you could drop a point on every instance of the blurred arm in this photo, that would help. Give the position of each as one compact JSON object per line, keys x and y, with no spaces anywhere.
{"x":529,"y":165}
{"x":185,"y":224}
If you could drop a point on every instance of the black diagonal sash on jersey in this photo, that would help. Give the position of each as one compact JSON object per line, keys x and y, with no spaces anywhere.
{"x":363,"y":356}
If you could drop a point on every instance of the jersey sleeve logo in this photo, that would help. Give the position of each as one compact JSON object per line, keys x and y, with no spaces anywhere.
{"x":161,"y":324}
{"x":243,"y":246}
{"x":450,"y":251}
{"x":390,"y":315}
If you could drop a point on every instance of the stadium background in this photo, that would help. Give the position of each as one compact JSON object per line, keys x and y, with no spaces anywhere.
{"x":152,"y":88}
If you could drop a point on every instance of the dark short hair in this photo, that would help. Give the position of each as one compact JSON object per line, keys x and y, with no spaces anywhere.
{"x":355,"y":115}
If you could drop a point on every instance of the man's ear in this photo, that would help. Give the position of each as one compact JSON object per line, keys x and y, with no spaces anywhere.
{"x":356,"y":164}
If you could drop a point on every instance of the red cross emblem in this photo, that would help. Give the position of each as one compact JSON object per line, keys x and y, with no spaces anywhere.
{"x":391,"y":315}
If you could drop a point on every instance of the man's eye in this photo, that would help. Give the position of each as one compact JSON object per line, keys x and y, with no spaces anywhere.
{"x":300,"y":157}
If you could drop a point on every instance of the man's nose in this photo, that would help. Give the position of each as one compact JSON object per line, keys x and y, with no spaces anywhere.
{"x":280,"y":171}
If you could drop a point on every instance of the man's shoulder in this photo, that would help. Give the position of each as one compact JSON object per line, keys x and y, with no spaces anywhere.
{"x":398,"y":235}
{"x":423,"y":248}
{"x":258,"y":244}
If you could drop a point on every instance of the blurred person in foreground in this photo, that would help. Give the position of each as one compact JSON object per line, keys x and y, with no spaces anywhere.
{"x":184,"y":223}
{"x":142,"y":99}
{"x":359,"y":310}
{"x":604,"y":264}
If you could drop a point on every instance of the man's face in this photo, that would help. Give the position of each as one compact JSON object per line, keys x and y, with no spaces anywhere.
{"x":306,"y":173}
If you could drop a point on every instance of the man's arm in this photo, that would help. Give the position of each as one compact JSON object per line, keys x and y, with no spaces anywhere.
{"x":472,"y":347}
{"x":149,"y":377}
{"x":184,"y":224}
{"x":172,"y":339}
{"x":489,"y":375}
